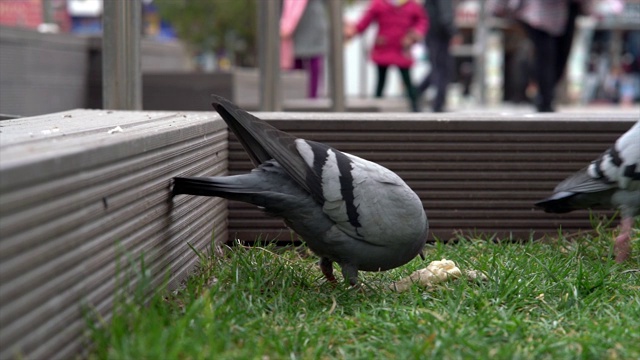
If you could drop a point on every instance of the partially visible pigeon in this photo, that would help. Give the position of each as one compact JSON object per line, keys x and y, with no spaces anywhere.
{"x":347,"y":210}
{"x":611,"y":181}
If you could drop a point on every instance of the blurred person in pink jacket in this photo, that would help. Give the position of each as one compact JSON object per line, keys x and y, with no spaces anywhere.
{"x":401,"y":23}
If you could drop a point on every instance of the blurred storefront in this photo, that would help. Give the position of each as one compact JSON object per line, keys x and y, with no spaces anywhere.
{"x":81,"y":17}
{"x":32,"y":14}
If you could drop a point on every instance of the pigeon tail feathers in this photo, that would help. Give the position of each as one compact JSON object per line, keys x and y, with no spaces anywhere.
{"x":559,"y":203}
{"x":224,"y":187}
{"x":264,"y":142}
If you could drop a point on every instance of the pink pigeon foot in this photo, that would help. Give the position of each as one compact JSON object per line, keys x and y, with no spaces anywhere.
{"x":622,"y":245}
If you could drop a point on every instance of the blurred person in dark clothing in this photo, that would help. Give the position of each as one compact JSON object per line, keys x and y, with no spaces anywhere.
{"x":441,"y":15}
{"x":550,"y":25}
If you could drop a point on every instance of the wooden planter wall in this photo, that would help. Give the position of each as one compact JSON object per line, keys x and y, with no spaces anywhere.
{"x":78,"y":204}
{"x":476,"y":174}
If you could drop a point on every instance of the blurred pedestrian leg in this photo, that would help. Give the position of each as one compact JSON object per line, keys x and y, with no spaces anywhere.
{"x":304,"y":32}
{"x":438,"y":40}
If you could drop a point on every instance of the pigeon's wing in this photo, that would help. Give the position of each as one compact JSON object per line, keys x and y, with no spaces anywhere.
{"x":330,"y":173}
{"x":365,"y":200}
{"x":264,"y":142}
{"x":620,"y":164}
{"x":583,"y":182}
{"x":578,"y":191}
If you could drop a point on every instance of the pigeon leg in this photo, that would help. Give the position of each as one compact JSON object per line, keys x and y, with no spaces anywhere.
{"x":622,"y":245}
{"x":326,"y":266}
{"x":350,"y":274}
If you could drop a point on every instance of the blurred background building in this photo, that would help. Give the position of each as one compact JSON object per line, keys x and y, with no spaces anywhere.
{"x":493,"y":62}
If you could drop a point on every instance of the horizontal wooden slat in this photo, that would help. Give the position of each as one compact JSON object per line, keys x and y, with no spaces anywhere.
{"x":460,"y":148}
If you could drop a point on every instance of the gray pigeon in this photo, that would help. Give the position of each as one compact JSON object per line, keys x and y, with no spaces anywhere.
{"x":347,"y":210}
{"x":611,"y":181}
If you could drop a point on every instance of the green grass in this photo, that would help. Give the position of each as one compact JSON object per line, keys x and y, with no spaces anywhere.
{"x":557,"y":299}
